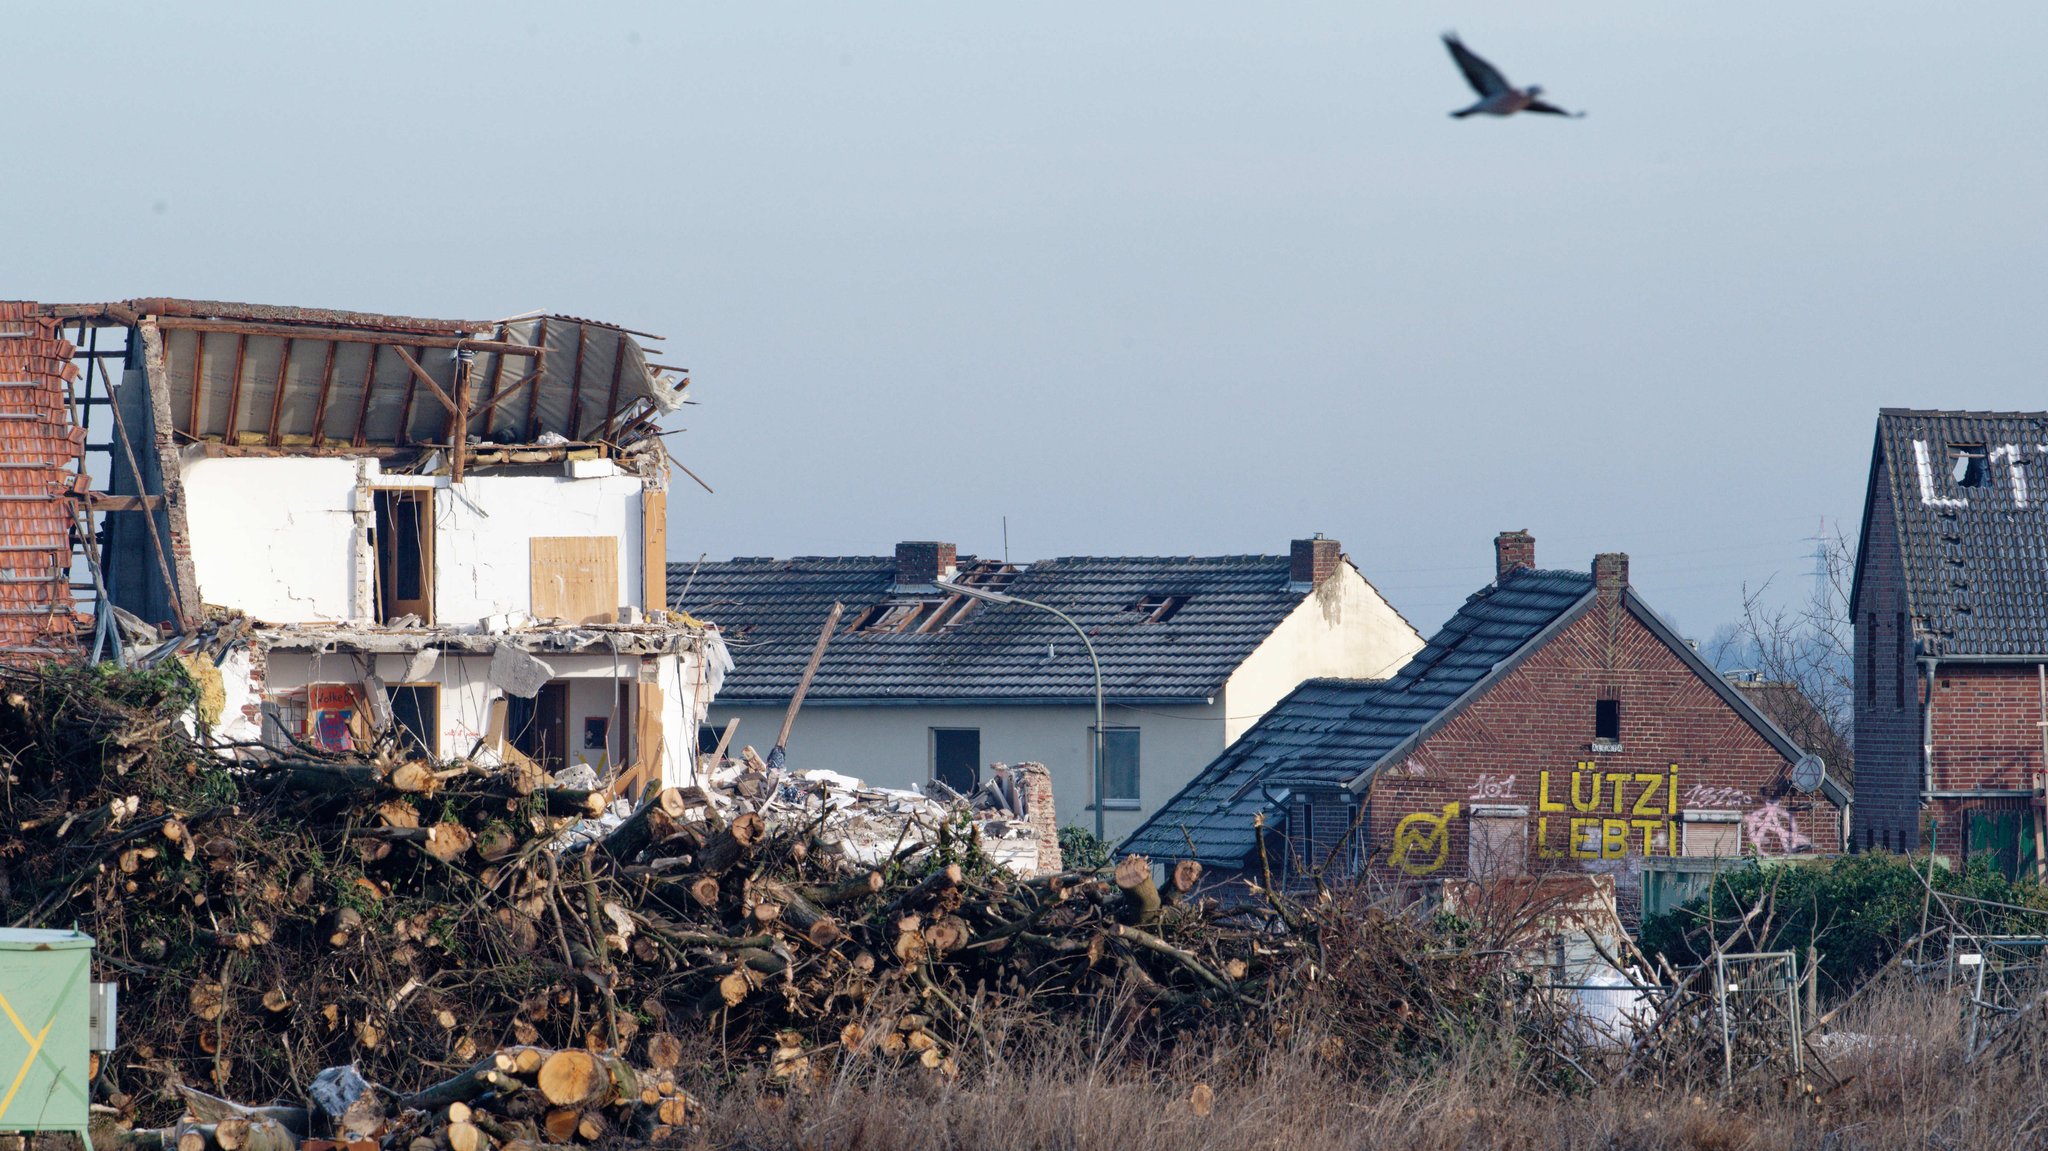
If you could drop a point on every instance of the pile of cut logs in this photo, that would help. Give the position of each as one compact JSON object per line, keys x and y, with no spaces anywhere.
{"x":517,"y":1099}
{"x":299,"y":911}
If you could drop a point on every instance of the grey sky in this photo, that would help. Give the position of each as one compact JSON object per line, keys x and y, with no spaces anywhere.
{"x":1159,"y":278}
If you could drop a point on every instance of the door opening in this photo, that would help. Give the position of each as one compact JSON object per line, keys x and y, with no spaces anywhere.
{"x":539,"y":727}
{"x":405,"y":554}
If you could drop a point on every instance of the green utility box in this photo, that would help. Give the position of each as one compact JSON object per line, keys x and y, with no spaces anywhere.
{"x":45,"y":1078}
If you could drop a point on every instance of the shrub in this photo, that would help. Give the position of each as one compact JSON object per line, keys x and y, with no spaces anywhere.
{"x":1081,"y":851}
{"x":1857,"y":909}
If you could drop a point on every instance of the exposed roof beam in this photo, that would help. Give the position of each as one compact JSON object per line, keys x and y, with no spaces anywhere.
{"x":344,"y":335}
{"x":424,"y":378}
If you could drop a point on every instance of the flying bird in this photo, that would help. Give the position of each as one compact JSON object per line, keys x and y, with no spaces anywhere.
{"x":1497,"y":97}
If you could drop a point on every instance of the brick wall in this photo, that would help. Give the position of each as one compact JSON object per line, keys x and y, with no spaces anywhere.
{"x":40,"y":449}
{"x":1888,"y":736}
{"x":1539,"y":718}
{"x":1036,"y":780}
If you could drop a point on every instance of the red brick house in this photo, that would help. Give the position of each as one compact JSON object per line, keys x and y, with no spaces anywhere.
{"x":1555,"y":723}
{"x":1951,"y":613}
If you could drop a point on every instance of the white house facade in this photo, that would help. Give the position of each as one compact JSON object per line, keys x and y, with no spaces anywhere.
{"x":920,"y":683}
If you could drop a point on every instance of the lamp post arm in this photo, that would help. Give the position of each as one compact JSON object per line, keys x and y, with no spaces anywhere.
{"x":1095,"y":771}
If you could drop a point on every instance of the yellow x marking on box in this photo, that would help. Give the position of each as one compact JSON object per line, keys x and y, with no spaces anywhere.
{"x":35,"y":1048}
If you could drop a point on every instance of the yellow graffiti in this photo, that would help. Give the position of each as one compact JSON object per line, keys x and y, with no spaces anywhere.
{"x":1422,"y":841}
{"x":35,"y":1048}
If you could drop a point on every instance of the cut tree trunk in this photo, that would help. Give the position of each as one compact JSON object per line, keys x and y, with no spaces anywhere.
{"x":1141,"y":895}
{"x":732,"y":844}
{"x":575,"y":1078}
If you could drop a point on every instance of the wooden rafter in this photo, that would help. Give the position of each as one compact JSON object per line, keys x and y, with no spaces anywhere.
{"x":227,"y":431}
{"x":363,"y":412}
{"x":507,"y":394}
{"x":198,"y":381}
{"x":576,"y":382}
{"x":611,"y":401}
{"x":326,"y":389}
{"x":533,"y":397}
{"x":497,"y":378}
{"x":421,"y":374}
{"x":342,"y":335}
{"x":284,"y":364}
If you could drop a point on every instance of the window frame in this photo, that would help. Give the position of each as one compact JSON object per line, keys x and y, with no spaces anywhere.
{"x":1603,"y":709}
{"x":932,"y":757}
{"x":1112,"y":802}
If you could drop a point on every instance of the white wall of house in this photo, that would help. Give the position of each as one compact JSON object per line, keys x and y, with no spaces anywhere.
{"x":277,"y":537}
{"x":1344,"y":629}
{"x":892,"y":746}
{"x":274,"y":537}
{"x":481,"y":534}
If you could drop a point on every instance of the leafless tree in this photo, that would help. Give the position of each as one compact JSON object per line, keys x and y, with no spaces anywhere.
{"x":1800,"y":656}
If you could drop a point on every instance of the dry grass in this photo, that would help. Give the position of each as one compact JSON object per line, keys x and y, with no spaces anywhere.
{"x":1907,"y":1087}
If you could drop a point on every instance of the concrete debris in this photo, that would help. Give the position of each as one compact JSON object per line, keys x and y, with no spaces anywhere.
{"x":518,"y":671}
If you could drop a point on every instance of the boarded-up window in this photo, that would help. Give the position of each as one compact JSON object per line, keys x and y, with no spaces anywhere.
{"x":1712,"y":833}
{"x":1498,"y":843}
{"x":575,"y":578}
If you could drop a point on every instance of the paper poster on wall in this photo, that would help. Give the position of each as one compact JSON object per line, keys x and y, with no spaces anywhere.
{"x":331,"y":716}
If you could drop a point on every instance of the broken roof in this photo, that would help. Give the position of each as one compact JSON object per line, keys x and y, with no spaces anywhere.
{"x":941,"y":648}
{"x":284,"y":376}
{"x":1969,"y":498}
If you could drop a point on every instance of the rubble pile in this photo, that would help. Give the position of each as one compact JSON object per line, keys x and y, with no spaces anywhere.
{"x":419,"y":924}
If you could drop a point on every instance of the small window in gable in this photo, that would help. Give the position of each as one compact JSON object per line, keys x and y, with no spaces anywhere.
{"x":1971,"y":470}
{"x":1607,"y":721}
{"x":1158,"y":607}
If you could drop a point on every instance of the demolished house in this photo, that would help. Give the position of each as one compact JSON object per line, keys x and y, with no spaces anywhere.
{"x":453,"y":531}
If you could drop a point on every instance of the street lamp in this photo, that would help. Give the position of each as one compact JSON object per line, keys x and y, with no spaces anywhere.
{"x":1095,"y":769}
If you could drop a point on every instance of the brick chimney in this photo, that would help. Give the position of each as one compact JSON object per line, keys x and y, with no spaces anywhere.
{"x":1511,"y":550}
{"x":1314,"y":560}
{"x":919,"y":562}
{"x":1610,"y":573}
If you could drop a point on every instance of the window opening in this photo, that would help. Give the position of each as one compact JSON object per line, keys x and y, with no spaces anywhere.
{"x":956,"y":758}
{"x":1158,"y":607}
{"x":405,"y":554}
{"x":416,"y":717}
{"x":1607,"y":720}
{"x":1969,"y":466}
{"x":1899,"y":666}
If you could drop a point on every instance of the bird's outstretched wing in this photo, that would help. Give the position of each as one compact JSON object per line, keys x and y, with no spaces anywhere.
{"x":1550,"y":109}
{"x":1484,"y":78}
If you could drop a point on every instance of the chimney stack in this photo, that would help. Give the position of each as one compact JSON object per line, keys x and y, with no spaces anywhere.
{"x":919,"y":562}
{"x":1314,"y":560}
{"x":1511,"y":550}
{"x":1610,"y":573}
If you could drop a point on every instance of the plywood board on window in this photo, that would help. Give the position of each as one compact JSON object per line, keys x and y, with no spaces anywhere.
{"x":575,"y":578}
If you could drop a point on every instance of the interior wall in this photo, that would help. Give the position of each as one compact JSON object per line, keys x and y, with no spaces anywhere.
{"x":276,"y":536}
{"x":273,"y":536}
{"x":482,"y":529}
